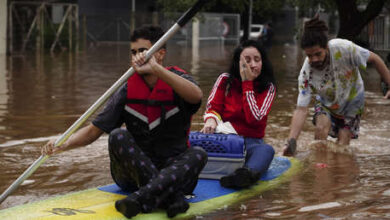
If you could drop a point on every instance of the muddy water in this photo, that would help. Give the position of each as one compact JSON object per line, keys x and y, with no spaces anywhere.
{"x":42,"y":95}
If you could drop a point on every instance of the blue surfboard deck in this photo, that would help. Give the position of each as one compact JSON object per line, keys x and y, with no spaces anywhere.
{"x":208,"y":188}
{"x":98,"y":203}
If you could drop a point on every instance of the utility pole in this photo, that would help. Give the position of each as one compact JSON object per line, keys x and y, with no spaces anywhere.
{"x":250,"y":18}
{"x":132,"y":18}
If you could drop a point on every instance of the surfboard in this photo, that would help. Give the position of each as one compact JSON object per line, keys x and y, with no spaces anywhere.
{"x":98,"y":203}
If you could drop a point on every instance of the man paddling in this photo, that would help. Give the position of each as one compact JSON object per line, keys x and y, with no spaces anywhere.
{"x":151,"y":157}
{"x":331,"y":74}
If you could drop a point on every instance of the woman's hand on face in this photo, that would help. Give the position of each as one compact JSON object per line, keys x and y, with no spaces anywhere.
{"x":245,"y":70}
{"x":209,"y":126}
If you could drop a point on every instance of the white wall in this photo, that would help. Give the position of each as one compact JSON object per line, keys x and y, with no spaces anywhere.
{"x":3,"y":26}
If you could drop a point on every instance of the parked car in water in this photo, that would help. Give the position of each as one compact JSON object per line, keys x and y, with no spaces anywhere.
{"x":256,"y":30}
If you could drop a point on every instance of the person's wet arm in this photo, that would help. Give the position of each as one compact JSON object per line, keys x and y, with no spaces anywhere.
{"x":300,"y":113}
{"x":82,"y":137}
{"x":381,"y":68}
{"x":106,"y":121}
{"x":297,"y":121}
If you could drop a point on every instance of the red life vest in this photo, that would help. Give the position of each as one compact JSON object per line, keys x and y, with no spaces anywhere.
{"x":150,"y":106}
{"x":160,"y":127}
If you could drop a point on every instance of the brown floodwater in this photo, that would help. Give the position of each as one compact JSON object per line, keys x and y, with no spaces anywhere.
{"x":41,"y":95}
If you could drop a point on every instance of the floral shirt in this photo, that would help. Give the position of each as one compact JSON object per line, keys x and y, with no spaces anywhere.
{"x":339,"y":86}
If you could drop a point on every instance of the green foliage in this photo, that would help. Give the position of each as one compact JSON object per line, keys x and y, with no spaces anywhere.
{"x":183,"y":5}
{"x":307,"y":6}
{"x":263,"y":8}
{"x":267,"y":9}
{"x":175,"y":6}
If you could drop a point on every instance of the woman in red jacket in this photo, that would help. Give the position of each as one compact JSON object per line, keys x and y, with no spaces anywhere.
{"x":244,"y":97}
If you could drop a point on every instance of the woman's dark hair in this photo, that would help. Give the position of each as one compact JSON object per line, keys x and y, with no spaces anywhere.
{"x":148,"y":32}
{"x":266,"y":76}
{"x":315,"y":32}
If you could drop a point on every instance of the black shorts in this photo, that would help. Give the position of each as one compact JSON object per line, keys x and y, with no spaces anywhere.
{"x":350,"y":123}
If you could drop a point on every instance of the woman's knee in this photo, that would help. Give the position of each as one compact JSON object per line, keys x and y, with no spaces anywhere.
{"x":261,"y":158}
{"x":269,"y":150}
{"x":263,"y":152}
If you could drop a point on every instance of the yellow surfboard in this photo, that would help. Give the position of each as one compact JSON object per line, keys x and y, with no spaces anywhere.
{"x":98,"y":203}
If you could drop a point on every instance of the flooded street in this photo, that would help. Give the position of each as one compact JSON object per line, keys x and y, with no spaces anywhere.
{"x":42,"y":95}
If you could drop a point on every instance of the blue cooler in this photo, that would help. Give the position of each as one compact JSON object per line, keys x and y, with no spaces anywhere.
{"x":226,"y":153}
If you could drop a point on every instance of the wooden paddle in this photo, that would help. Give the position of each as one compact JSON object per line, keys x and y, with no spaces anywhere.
{"x":179,"y":24}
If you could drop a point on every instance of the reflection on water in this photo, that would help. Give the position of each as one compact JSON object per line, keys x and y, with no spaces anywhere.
{"x":3,"y":89}
{"x":42,"y":95}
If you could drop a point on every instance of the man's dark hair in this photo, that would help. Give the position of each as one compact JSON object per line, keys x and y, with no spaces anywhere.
{"x":315,"y":33}
{"x":148,"y":32}
{"x":266,"y":76}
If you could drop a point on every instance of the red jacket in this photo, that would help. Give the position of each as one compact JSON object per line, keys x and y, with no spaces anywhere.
{"x":244,"y":108}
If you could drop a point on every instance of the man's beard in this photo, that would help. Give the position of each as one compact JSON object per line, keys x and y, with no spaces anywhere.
{"x":320,"y":65}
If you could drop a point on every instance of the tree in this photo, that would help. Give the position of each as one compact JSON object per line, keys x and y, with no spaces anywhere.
{"x":352,"y":18}
{"x":352,"y":21}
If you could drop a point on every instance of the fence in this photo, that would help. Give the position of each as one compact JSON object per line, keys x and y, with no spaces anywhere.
{"x":376,"y":33}
{"x":214,"y":27}
{"x":51,"y":26}
{"x":42,"y":25}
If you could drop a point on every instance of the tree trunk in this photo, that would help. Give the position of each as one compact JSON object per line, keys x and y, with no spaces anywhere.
{"x":352,"y":21}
